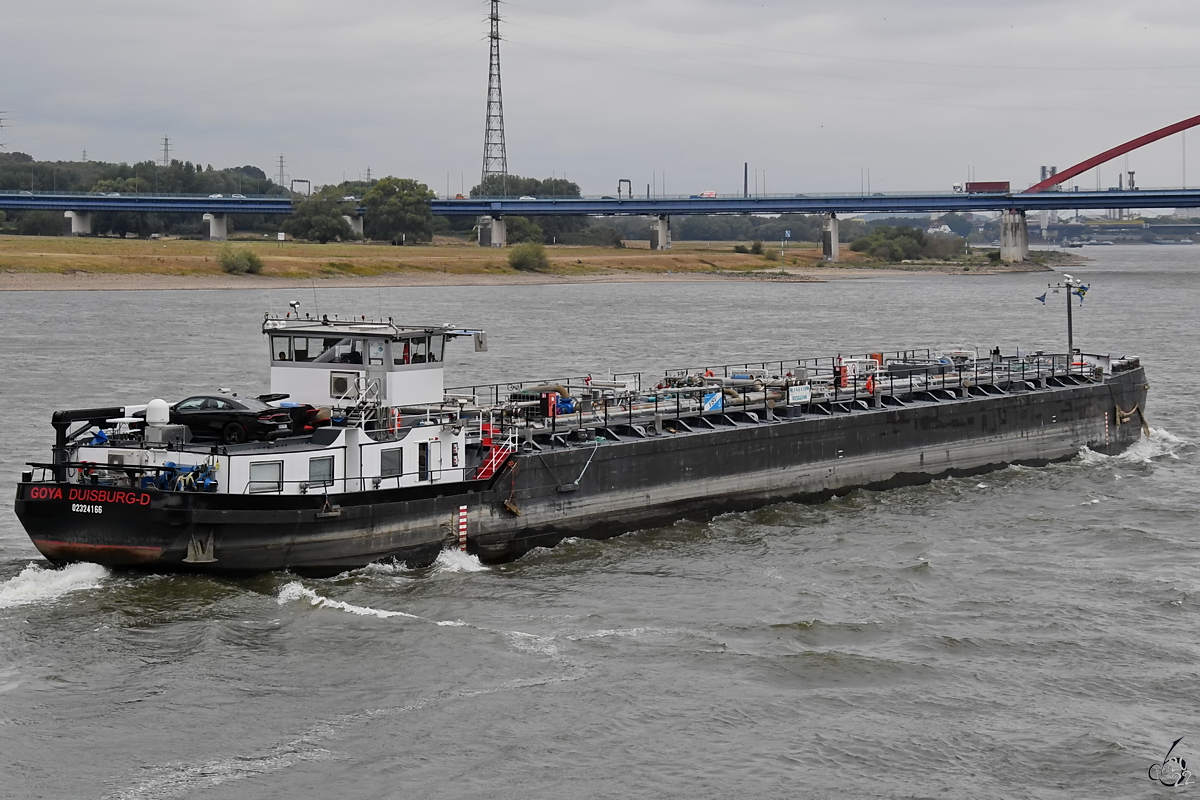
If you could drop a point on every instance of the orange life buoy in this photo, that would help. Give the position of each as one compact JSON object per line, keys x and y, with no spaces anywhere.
{"x":870,"y":384}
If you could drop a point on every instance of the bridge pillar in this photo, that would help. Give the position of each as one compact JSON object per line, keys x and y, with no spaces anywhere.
{"x":660,"y":233}
{"x":1014,"y":236}
{"x":829,"y":238}
{"x":218,"y":228}
{"x":355,"y":223}
{"x":81,"y":222}
{"x":493,"y":232}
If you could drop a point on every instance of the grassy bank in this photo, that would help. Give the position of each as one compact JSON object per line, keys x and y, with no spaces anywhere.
{"x":22,"y":254}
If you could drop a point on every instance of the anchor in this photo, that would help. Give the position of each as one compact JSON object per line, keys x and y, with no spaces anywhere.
{"x":201,"y":553}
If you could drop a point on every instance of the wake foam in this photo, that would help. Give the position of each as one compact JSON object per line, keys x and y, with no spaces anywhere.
{"x":297,"y":591}
{"x":37,"y":584}
{"x":458,"y":561}
{"x":1159,"y":444}
{"x":531,"y":643}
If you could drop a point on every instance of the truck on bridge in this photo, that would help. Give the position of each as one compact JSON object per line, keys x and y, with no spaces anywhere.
{"x":983,"y":187}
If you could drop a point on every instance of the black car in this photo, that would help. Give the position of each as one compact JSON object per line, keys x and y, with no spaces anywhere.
{"x":230,"y":419}
{"x":305,"y":418}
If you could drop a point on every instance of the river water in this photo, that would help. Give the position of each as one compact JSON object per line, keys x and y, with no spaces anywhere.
{"x":1028,"y":633}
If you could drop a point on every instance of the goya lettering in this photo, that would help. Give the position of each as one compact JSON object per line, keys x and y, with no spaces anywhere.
{"x":87,"y":494}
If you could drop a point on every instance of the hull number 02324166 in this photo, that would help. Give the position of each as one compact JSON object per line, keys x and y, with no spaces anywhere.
{"x":87,"y":508}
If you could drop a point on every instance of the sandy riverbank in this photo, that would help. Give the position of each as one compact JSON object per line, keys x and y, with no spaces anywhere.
{"x":62,"y":264}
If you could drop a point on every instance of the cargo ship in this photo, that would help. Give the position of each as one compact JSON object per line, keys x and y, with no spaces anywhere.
{"x":362,"y":454}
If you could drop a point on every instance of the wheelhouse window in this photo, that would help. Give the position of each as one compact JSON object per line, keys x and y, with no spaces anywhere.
{"x":342,"y":351}
{"x":418,"y":350}
{"x":320,"y":471}
{"x":266,"y":476}
{"x":281,"y":348}
{"x":306,"y":349}
{"x":391,"y":463}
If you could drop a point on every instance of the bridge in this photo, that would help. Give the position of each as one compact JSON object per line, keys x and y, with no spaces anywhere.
{"x":1014,"y":230}
{"x":80,"y":207}
{"x":1013,"y":207}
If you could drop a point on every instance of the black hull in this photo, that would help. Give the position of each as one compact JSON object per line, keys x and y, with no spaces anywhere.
{"x":539,"y":498}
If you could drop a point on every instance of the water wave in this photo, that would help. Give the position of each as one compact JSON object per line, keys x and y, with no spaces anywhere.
{"x":37,"y":584}
{"x":458,"y":561}
{"x":1159,"y":444}
{"x":298,"y":591}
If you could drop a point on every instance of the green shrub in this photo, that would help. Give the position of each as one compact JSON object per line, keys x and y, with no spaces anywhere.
{"x":41,"y":223}
{"x":528,"y":257}
{"x":238,"y":262}
{"x":595,"y":236}
{"x":740,"y":248}
{"x":771,"y":253}
{"x":756,"y":247}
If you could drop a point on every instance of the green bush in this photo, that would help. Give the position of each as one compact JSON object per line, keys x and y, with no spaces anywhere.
{"x":740,"y":248}
{"x":528,"y":257}
{"x":756,"y":247}
{"x":596,"y":236}
{"x":903,"y":243}
{"x":41,"y":223}
{"x":239,"y":262}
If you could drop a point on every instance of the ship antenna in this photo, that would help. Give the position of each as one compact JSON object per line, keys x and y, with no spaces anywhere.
{"x":316,"y":308}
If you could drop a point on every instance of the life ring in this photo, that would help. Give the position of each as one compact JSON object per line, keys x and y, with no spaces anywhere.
{"x":870,"y":384}
{"x":708,"y":373}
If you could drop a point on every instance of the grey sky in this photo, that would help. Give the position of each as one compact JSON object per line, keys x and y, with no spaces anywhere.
{"x":811,"y":93}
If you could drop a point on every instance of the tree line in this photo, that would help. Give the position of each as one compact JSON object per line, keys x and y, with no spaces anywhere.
{"x":21,"y":172}
{"x":395,"y":209}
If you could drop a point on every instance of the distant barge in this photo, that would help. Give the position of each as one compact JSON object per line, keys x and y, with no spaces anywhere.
{"x":405,"y":468}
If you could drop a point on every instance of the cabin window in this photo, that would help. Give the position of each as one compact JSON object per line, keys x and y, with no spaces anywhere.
{"x":191,"y":404}
{"x":423,"y":461}
{"x":350,"y":351}
{"x":305,"y":349}
{"x":329,"y":349}
{"x":266,"y":476}
{"x":320,"y":471}
{"x":281,"y":348}
{"x":391,"y":463}
{"x":417,"y":350}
